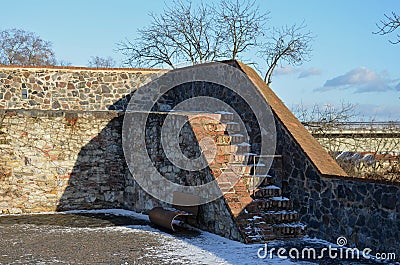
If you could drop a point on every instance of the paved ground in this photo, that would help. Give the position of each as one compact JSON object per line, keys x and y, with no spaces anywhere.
{"x":70,"y":238}
{"x":103,"y":238}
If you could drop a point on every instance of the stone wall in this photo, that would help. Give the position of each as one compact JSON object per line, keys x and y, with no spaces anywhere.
{"x":70,"y":88}
{"x":365,"y":212}
{"x":61,"y":148}
{"x":46,"y":154}
{"x":66,"y":160}
{"x":213,"y":216}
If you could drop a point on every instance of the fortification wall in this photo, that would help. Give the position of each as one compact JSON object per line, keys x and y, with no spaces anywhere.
{"x":66,"y":160}
{"x":365,"y":212}
{"x":70,"y":88}
{"x":45,"y":153}
{"x":61,"y":148}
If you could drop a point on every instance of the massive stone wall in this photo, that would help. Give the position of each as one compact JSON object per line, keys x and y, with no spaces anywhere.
{"x":61,"y":148}
{"x":66,"y":160}
{"x":365,"y":212}
{"x":70,"y":88}
{"x":45,"y":154}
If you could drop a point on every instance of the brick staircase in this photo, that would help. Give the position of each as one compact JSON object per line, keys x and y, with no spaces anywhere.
{"x":261,"y":214}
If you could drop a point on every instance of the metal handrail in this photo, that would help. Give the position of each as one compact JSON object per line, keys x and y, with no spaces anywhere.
{"x":267,"y":156}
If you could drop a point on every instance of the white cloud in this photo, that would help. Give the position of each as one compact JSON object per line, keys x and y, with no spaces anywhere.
{"x":303,"y":73}
{"x":362,"y":80}
{"x":379,"y":112}
{"x":286,"y":70}
{"x":398,"y":87}
{"x":309,"y":72}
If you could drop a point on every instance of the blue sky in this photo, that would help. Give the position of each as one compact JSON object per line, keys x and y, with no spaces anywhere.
{"x":348,"y":63}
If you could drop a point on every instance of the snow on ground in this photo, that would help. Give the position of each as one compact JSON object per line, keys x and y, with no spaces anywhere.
{"x":206,"y":248}
{"x":186,"y":247}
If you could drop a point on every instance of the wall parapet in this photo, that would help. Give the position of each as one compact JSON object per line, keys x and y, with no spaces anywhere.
{"x":59,"y":88}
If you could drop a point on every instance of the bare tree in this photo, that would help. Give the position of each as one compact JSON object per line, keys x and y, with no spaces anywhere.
{"x":327,"y":115}
{"x":388,"y":25}
{"x":242,"y":24}
{"x":181,"y":33}
{"x":366,"y":149}
{"x":201,"y":33}
{"x":64,"y":63}
{"x":22,"y":47}
{"x":287,"y":44}
{"x":101,"y":62}
{"x":196,"y":34}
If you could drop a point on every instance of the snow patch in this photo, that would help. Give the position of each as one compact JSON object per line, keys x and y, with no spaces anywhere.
{"x":279,"y":198}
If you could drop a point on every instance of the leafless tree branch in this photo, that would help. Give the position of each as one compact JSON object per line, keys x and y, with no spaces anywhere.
{"x":242,"y":23}
{"x":101,"y":62}
{"x":287,"y":44}
{"x":182,"y":33}
{"x":201,"y":33}
{"x":21,"y":47}
{"x":388,"y":25}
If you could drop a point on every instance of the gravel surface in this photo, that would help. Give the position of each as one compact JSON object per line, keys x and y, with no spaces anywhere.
{"x":106,"y":238}
{"x":75,"y":239}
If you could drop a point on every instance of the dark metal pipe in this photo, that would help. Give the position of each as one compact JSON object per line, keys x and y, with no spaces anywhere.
{"x":165,"y":217}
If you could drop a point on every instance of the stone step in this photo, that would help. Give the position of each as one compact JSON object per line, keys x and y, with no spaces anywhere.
{"x":240,"y":148}
{"x":289,"y":230}
{"x":267,"y":191}
{"x":269,"y":217}
{"x":269,"y":204}
{"x":238,"y":138}
{"x":244,"y":158}
{"x":225,"y":116}
{"x":261,"y":232}
{"x":223,"y":148}
{"x":215,"y":127}
{"x":226,"y":139}
{"x":232,"y":127}
{"x":266,"y":180}
{"x":246,"y":169}
{"x":222,"y":139}
{"x":257,"y":235}
{"x":228,"y":127}
{"x":262,"y":180}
